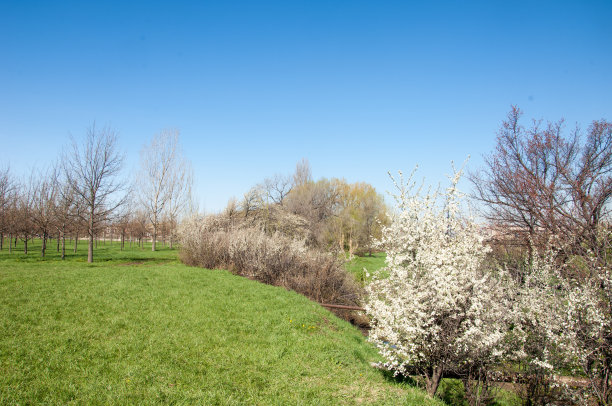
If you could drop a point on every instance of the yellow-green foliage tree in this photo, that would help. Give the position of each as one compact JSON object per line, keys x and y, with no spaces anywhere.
{"x":341,"y":214}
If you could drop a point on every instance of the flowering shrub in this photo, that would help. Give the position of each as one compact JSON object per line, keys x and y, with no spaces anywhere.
{"x":571,"y":320}
{"x":273,"y":259}
{"x":438,"y":310}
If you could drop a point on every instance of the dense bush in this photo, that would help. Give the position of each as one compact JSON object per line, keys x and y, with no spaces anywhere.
{"x":274,"y":259}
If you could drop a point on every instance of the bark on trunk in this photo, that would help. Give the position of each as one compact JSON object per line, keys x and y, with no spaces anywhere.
{"x":433,"y":381}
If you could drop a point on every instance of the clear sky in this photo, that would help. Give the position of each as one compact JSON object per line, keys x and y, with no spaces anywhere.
{"x":356,"y":87}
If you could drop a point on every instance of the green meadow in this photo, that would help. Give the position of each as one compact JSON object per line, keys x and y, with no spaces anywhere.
{"x":137,"y":327}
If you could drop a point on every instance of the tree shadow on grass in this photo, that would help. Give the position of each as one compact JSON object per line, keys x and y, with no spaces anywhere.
{"x":450,"y":391}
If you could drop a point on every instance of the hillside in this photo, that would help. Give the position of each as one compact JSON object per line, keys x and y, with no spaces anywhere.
{"x":140,"y":328}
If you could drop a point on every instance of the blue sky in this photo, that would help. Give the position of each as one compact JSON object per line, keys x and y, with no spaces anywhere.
{"x":358,"y":88}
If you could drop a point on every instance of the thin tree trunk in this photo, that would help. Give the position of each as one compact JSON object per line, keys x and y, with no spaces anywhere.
{"x":154,"y":239}
{"x":76,"y":241}
{"x":1,"y":240}
{"x":59,"y":235}
{"x":10,"y":241}
{"x":25,"y":245}
{"x":63,"y":242}
{"x":44,"y":244}
{"x":90,"y":231}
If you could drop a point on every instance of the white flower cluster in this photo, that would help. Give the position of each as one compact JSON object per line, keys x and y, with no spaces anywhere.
{"x":435,"y":306}
{"x":572,"y":319}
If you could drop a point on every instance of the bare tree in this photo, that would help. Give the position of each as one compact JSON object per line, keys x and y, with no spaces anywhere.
{"x":539,"y":182}
{"x":7,"y":198}
{"x":180,"y":201}
{"x":65,"y":209}
{"x":91,"y":169}
{"x":164,"y":181}
{"x":303,"y":173}
{"x":278,"y":187}
{"x":251,"y":201}
{"x":22,"y":219}
{"x":43,"y":201}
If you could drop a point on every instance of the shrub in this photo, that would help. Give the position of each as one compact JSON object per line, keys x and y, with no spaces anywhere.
{"x":272,"y":259}
{"x":434,"y":308}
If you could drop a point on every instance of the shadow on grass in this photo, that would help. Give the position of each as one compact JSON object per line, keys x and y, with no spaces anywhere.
{"x":450,"y":391}
{"x":401,"y":379}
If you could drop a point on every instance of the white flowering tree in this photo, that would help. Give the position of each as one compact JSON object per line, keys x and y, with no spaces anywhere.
{"x":571,"y":318}
{"x":434,"y":308}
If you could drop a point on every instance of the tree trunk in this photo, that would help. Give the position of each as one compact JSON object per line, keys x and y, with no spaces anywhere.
{"x":44,"y":244}
{"x":154,"y":239}
{"x":63,"y":242}
{"x":76,"y":241}
{"x":59,"y":235}
{"x":25,"y":245}
{"x":10,"y":241}
{"x":90,"y":231}
{"x":433,"y":381}
{"x":1,"y":240}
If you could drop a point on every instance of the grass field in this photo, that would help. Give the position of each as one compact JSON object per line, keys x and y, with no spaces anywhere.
{"x":138,"y":327}
{"x":370,"y":263}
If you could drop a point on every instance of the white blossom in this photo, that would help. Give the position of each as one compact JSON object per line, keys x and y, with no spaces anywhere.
{"x":438,"y":308}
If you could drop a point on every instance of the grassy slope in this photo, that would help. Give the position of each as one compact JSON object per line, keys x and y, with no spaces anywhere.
{"x":140,"y":328}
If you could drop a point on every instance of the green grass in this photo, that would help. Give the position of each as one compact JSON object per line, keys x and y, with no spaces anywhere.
{"x":137,"y":327}
{"x":357,"y":264}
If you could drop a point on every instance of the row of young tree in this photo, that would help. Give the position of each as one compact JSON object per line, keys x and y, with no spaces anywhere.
{"x":85,"y":195}
{"x":530,"y":299}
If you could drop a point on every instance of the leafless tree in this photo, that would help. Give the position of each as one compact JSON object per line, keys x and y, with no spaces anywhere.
{"x":164,"y":181}
{"x":539,"y":183}
{"x":65,"y":209}
{"x":277,"y":188}
{"x":43,"y":201}
{"x":303,"y":173}
{"x":22,"y":220}
{"x":180,"y":202}
{"x":7,"y":200}
{"x":251,"y":201}
{"x":91,"y":169}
